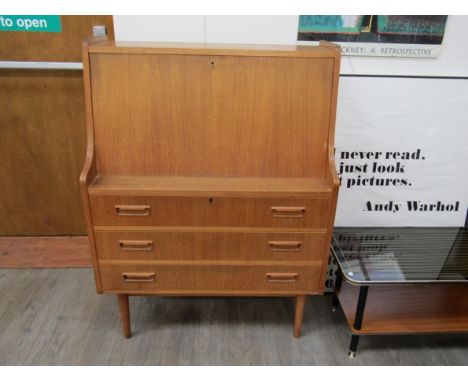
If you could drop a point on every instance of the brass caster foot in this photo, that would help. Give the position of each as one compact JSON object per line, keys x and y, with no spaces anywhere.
{"x":351,"y":354}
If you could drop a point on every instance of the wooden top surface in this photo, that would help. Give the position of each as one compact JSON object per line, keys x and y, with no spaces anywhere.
{"x":217,"y":186}
{"x":397,"y":309}
{"x":325,"y":49}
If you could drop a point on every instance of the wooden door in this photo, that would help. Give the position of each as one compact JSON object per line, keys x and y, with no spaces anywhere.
{"x":42,"y":131}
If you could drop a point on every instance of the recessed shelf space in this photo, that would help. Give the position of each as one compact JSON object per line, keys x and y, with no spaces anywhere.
{"x":414,"y":308}
{"x":219,"y":186}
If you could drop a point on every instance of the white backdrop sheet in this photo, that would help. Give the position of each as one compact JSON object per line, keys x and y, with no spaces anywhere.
{"x":402,"y":151}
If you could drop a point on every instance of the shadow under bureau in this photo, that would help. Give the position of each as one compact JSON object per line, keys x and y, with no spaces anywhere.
{"x":210,"y":169}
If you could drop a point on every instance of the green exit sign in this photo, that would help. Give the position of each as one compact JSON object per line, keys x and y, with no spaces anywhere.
{"x":37,"y":23}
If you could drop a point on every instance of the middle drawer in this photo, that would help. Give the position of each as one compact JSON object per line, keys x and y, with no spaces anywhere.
{"x":208,"y":245}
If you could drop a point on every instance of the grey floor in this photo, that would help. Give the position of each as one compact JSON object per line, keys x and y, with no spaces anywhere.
{"x":54,"y":317}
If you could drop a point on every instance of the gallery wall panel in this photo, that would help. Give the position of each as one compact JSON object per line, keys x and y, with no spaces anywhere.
{"x":401,"y":151}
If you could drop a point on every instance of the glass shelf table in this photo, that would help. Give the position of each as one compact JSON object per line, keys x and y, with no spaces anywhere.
{"x":401,"y":280}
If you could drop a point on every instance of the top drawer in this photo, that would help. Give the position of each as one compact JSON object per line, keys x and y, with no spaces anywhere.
{"x":210,"y":212}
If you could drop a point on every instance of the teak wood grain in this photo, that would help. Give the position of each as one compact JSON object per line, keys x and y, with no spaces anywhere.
{"x":219,"y":186}
{"x":210,"y":169}
{"x":424,"y":308}
{"x":299,"y":314}
{"x":124,"y":308}
{"x":89,"y":171}
{"x":202,"y":279}
{"x":196,"y":245}
{"x":209,"y":211}
{"x":211,"y":116}
{"x":330,"y":169}
{"x":213,"y":49}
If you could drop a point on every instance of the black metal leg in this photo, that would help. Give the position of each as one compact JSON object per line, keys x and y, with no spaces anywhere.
{"x":353,"y":345}
{"x":338,"y":281}
{"x":335,"y":302}
{"x":358,"y":319}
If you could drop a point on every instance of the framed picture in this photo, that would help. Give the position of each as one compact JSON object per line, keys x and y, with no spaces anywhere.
{"x":376,"y":35}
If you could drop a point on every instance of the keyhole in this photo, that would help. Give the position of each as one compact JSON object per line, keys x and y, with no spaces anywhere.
{"x":212,"y":64}
{"x":210,"y":200}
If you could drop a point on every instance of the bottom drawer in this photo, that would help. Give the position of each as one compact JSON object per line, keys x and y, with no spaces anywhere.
{"x":203,"y":279}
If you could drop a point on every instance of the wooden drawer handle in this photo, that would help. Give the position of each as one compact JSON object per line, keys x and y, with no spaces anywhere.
{"x":136,"y":245}
{"x":128,"y":210}
{"x":138,"y":277}
{"x":282,"y":277}
{"x":288,"y":212}
{"x":285,"y":245}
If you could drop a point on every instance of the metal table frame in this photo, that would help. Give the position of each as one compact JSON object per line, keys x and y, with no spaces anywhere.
{"x":359,"y":316}
{"x":363,"y":292}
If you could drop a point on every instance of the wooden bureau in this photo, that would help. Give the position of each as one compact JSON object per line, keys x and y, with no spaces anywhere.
{"x":210,"y":169}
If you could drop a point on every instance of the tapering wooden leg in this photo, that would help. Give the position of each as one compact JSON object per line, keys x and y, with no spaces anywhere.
{"x":124,"y":314}
{"x":300,"y":301}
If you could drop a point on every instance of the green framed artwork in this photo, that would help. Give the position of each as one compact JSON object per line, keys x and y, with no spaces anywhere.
{"x":376,"y":35}
{"x":331,"y":24}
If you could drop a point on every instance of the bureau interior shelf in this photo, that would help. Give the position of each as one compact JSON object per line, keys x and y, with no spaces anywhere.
{"x":403,"y":308}
{"x":214,"y":186}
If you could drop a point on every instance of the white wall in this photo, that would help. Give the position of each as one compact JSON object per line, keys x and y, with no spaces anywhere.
{"x":160,"y":28}
{"x":252,"y":29}
{"x":453,"y":60}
